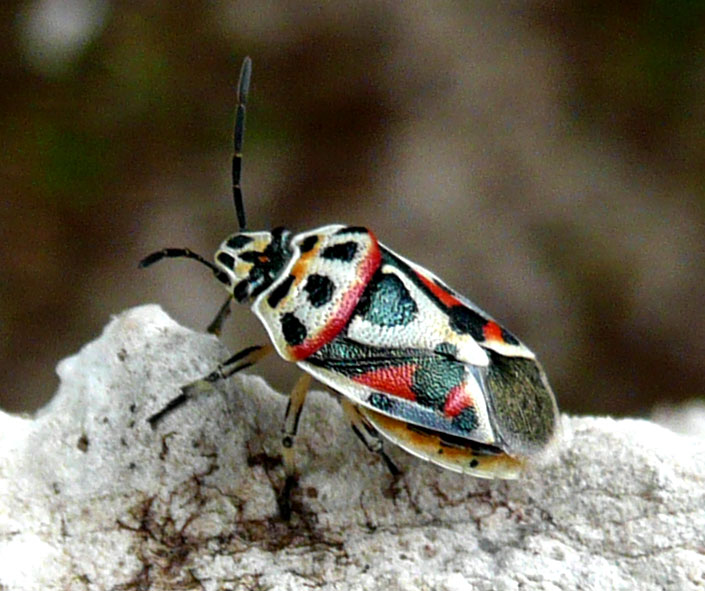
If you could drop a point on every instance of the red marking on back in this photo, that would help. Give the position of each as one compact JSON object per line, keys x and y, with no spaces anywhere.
{"x":395,"y":380}
{"x":492,"y":332}
{"x":458,"y":399}
{"x":332,"y":328}
{"x":447,"y":298}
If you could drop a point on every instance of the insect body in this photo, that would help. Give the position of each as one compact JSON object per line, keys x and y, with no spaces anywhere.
{"x":413,"y":359}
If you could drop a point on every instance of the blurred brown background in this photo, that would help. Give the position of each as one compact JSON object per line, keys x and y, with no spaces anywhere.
{"x":547,"y":162}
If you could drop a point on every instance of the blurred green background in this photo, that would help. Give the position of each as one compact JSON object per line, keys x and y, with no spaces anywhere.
{"x":546,"y":159}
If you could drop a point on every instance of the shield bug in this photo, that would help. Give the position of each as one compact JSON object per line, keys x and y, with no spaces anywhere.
{"x":414,"y":361}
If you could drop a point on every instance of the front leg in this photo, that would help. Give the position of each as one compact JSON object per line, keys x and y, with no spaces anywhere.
{"x":216,"y":325}
{"x":241,"y":360}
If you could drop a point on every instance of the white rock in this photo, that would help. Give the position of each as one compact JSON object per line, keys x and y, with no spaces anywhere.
{"x":92,"y":498}
{"x":686,"y":419}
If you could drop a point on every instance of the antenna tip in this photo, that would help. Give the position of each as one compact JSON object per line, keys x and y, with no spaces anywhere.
{"x":243,"y":85}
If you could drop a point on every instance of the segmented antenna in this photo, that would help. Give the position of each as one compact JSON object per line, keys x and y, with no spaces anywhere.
{"x":243,"y":88}
{"x":185,"y":253}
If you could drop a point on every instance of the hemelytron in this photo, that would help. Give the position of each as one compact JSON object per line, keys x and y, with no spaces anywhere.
{"x":414,"y":361}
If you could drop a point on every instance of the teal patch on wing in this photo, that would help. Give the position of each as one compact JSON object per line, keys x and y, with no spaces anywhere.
{"x":387,"y":302}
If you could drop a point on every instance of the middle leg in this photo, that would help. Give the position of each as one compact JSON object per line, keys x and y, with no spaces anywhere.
{"x":289,"y":430}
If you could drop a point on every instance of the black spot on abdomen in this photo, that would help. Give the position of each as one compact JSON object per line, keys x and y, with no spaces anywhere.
{"x":352,"y":230}
{"x":509,"y":338}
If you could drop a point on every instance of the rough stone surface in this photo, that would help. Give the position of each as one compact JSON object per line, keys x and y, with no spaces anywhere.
{"x":92,"y":498}
{"x":687,"y":419}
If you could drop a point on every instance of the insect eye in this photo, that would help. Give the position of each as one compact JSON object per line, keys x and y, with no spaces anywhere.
{"x":263,"y":259}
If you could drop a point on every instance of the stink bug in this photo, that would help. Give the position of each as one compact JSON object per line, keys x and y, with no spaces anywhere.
{"x":413,"y":360}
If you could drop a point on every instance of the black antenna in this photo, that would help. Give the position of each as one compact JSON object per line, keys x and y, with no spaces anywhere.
{"x":176,"y":253}
{"x":243,"y":87}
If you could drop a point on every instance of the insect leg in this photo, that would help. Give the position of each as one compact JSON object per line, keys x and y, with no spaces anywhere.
{"x":368,"y":434}
{"x":216,"y":325}
{"x":241,"y":360}
{"x":291,"y":420}
{"x":289,"y":429}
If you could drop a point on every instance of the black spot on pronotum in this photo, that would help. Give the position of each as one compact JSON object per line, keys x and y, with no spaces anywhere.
{"x":226,"y":260}
{"x":466,"y":321}
{"x":293,"y":329}
{"x":308,"y":244}
{"x":352,"y":230}
{"x":320,"y":290}
{"x":344,"y":252}
{"x":280,"y":291}
{"x":238,"y":241}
